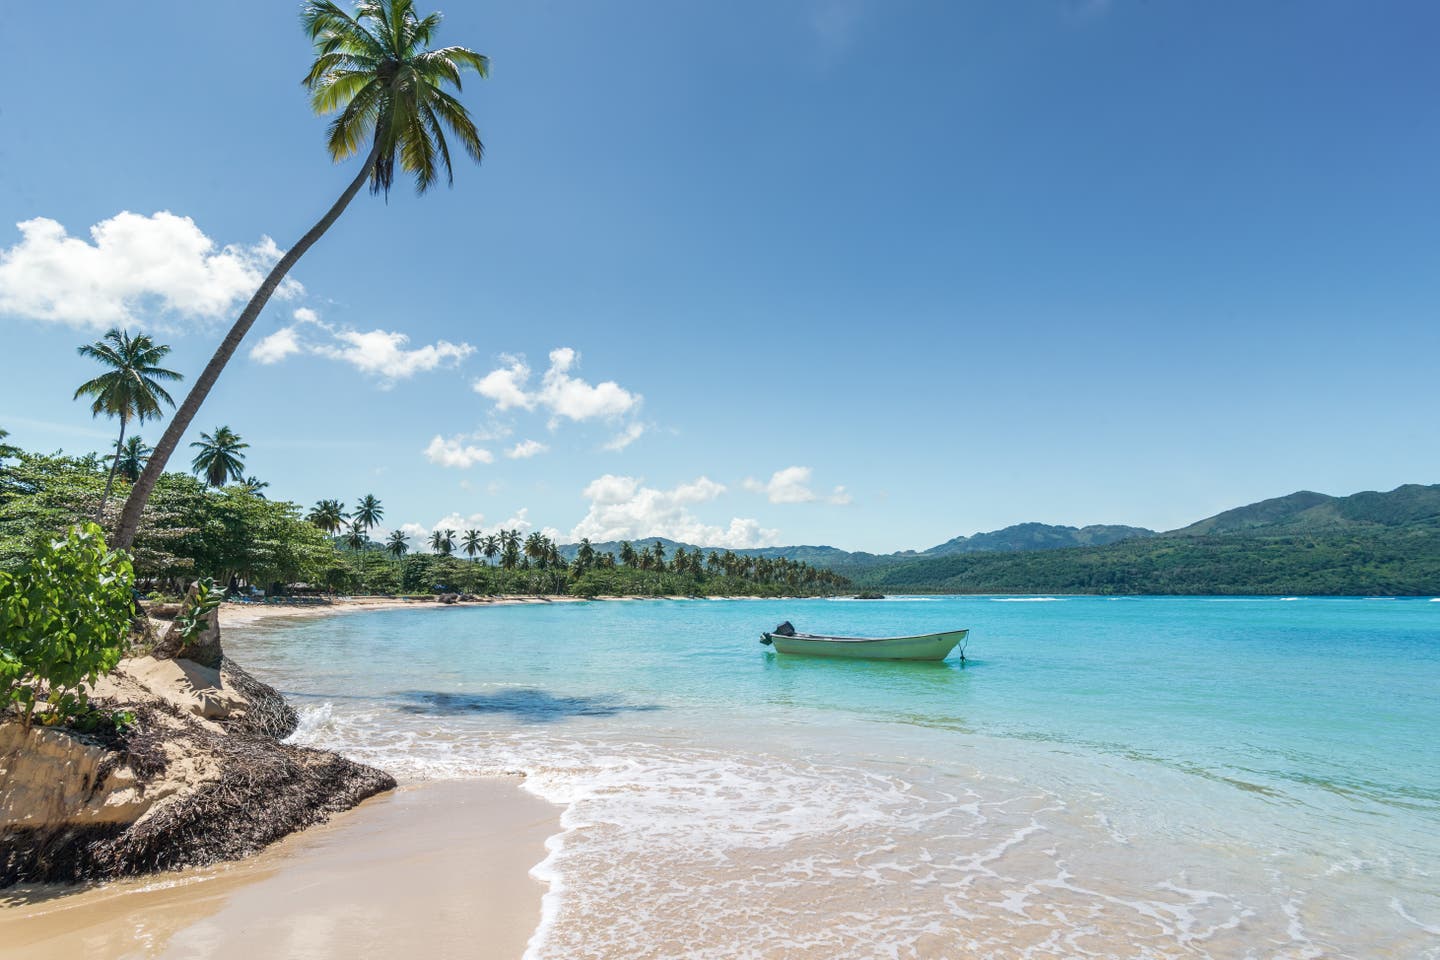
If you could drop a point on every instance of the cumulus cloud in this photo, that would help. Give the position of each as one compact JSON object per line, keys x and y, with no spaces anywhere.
{"x":382,"y":354}
{"x":521,"y":521}
{"x":506,"y":384}
{"x":560,"y":393}
{"x":161,"y":265}
{"x":526,"y":449}
{"x":624,"y":438}
{"x":792,"y":485}
{"x":276,"y":347}
{"x":419,"y":533}
{"x":623,"y":508}
{"x":456,"y":452}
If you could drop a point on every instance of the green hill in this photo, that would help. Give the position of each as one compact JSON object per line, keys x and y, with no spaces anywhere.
{"x":1305,"y":511}
{"x":1304,"y":543}
{"x":1039,"y":536}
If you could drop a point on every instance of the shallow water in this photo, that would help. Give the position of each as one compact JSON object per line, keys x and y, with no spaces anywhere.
{"x":1157,"y":777}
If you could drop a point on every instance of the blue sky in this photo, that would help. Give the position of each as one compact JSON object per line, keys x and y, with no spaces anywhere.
{"x":859,"y":273}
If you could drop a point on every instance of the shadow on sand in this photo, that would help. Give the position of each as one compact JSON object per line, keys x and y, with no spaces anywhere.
{"x":526,"y":704}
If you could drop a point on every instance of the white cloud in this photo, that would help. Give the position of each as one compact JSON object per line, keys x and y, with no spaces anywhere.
{"x":560,"y":393}
{"x":792,"y":485}
{"x":526,"y":449}
{"x":276,"y":347}
{"x":624,"y":438}
{"x":623,"y":508}
{"x":382,"y":353}
{"x":379,"y":353}
{"x":161,"y":264}
{"x":456,"y":452}
{"x":458,"y":523}
{"x":506,"y":385}
{"x":519,"y":522}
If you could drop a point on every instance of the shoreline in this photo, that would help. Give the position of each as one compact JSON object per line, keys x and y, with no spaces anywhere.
{"x":245,"y":614}
{"x":432,"y":868}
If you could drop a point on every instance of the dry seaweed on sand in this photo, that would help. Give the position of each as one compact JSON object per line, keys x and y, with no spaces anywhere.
{"x":255,"y":791}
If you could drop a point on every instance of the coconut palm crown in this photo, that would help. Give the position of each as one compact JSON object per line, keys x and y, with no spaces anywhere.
{"x":219,"y":460}
{"x":375,"y":70}
{"x":130,"y":389}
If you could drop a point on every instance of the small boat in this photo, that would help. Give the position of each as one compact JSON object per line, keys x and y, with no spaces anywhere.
{"x":927,"y":646}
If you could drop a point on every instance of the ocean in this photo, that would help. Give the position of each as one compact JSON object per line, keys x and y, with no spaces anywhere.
{"x":1103,"y":777}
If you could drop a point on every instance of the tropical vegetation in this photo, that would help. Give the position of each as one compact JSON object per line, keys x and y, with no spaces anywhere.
{"x":248,"y":542}
{"x":64,"y":622}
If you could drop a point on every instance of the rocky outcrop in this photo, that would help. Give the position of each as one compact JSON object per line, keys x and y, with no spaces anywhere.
{"x":200,"y":776}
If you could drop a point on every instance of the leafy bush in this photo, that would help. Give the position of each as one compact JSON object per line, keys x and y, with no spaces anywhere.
{"x":193,"y":620}
{"x":64,"y":622}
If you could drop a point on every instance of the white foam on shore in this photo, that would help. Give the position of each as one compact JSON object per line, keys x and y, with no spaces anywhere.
{"x":1027,"y":599}
{"x":667,"y":849}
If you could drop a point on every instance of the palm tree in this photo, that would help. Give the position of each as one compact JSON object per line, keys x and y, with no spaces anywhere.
{"x":397,"y":544}
{"x":129,"y":390}
{"x":132,"y":458}
{"x":535,"y":547}
{"x":356,"y":539}
{"x":328,"y":515}
{"x":436,"y":539}
{"x":368,"y":512}
{"x":490,"y":548}
{"x":219,"y":459}
{"x":585,"y":556}
{"x":376,"y":69}
{"x":447,"y":542}
{"x":473,"y":541}
{"x":254,"y":485}
{"x":627,"y":553}
{"x":6,"y":450}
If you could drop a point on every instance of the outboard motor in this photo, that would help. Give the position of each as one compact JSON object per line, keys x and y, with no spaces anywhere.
{"x":786,"y":629}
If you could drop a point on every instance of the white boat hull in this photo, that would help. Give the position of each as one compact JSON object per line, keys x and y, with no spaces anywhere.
{"x":930,"y":646}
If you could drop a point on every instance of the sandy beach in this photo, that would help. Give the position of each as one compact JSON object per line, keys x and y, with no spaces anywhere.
{"x":241,"y":614}
{"x":435,"y":870}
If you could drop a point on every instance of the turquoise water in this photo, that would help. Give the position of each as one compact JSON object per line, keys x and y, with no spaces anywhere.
{"x":1110,"y":777}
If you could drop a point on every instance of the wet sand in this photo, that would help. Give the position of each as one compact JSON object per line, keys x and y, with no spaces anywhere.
{"x":433,"y":870}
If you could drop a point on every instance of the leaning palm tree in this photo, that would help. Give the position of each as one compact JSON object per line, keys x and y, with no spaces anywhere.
{"x":376,"y":71}
{"x":472,"y":542}
{"x":129,"y":390}
{"x":368,"y":512}
{"x":132,"y":458}
{"x":328,"y":515}
{"x":219,"y":459}
{"x":397,"y":544}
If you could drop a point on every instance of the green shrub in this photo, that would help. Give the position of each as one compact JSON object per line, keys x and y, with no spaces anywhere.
{"x":64,"y":622}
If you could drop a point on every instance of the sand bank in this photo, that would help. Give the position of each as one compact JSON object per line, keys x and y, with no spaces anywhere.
{"x":433,"y":870}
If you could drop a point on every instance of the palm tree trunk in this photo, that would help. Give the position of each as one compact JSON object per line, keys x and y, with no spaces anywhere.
{"x":110,"y":480}
{"x":140,"y":492}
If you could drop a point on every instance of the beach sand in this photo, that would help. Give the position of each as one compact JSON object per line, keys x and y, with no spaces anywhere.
{"x":241,"y":614}
{"x":433,"y":870}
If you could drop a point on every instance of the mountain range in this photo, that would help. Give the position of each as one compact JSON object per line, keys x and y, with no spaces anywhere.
{"x":1303,"y":543}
